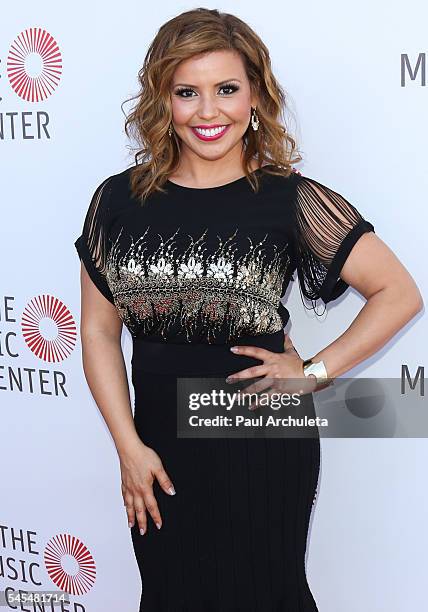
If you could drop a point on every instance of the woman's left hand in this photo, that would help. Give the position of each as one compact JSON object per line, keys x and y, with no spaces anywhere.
{"x":285,"y":368}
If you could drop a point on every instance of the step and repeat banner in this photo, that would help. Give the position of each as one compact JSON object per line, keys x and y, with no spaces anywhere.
{"x":355,"y":78}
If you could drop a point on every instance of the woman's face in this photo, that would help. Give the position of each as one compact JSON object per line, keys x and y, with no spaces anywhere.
{"x":211,"y":92}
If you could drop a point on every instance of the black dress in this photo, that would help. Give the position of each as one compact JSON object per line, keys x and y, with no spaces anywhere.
{"x":191,"y":273}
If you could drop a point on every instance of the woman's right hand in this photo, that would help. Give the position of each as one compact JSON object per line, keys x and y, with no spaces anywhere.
{"x":139,"y":466}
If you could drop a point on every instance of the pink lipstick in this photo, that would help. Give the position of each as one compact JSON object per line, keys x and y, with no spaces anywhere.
{"x":212,"y":132}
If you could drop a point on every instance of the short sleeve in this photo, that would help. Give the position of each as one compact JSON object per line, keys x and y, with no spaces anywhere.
{"x":92,"y":244}
{"x":325,"y":228}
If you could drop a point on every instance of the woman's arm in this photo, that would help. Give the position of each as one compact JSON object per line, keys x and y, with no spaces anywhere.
{"x":105,"y":372}
{"x":393,"y":299}
{"x":331,"y":239}
{"x":103,"y":363}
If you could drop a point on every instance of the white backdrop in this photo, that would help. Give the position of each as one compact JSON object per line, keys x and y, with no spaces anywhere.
{"x":363,"y":131}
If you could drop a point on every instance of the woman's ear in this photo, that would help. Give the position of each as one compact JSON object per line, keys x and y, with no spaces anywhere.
{"x":254,"y":101}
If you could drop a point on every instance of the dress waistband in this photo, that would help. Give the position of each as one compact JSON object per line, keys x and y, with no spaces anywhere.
{"x":198,"y":358}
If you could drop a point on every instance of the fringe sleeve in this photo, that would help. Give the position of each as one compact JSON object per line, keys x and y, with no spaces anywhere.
{"x":92,"y":244}
{"x":325,"y":229}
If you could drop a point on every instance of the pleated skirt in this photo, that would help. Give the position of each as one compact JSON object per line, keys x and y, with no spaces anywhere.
{"x":234,"y":537}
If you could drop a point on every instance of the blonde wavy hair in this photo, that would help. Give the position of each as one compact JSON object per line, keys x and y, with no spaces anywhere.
{"x":191,"y":33}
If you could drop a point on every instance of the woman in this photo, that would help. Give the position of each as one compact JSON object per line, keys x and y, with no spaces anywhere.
{"x":192,"y":249}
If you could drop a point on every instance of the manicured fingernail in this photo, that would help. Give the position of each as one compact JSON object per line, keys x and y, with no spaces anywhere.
{"x":142,"y":531}
{"x":234,"y":349}
{"x":229,"y":379}
{"x":158,"y":525}
{"x":130,"y":525}
{"x":171,"y":491}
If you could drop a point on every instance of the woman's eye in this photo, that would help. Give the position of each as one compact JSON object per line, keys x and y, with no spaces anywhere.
{"x":185,"y":90}
{"x":179,"y":92}
{"x":231,"y":87}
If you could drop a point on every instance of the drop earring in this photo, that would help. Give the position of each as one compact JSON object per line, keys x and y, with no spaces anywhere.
{"x":170,"y":130}
{"x":254,"y":120}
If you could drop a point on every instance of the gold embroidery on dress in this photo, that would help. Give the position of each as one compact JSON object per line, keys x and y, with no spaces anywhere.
{"x":203,"y":292}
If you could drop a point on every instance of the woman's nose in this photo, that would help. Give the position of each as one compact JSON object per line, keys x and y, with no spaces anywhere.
{"x":208,"y":108}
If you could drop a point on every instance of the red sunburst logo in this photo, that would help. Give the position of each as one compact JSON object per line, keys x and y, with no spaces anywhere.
{"x":34,"y":65}
{"x":48,"y":328}
{"x":69,"y":564}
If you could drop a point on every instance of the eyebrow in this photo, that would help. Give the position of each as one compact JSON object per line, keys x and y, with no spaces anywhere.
{"x":196,"y":87}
